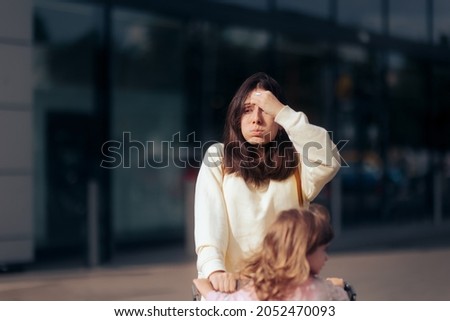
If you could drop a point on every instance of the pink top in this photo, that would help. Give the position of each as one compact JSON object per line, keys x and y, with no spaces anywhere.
{"x":314,"y":289}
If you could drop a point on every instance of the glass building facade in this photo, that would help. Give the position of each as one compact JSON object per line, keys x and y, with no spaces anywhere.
{"x":125,"y":91}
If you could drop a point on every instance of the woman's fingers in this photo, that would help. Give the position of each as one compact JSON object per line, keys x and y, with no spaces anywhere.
{"x":336,"y":281}
{"x":223,"y":281}
{"x":265,"y":100}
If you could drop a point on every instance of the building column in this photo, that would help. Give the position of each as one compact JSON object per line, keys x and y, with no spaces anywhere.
{"x":16,"y":133}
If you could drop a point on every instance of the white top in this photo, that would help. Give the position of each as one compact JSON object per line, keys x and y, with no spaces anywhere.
{"x":231,"y":217}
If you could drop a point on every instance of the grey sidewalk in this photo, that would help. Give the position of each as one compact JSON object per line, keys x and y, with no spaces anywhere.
{"x":409,"y":274}
{"x":392,"y":263}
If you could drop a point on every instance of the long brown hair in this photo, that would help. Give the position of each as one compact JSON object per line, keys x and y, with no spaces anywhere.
{"x":281,"y":263}
{"x":279,"y":159}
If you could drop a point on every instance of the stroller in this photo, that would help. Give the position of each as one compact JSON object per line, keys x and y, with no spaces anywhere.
{"x":196,"y":295}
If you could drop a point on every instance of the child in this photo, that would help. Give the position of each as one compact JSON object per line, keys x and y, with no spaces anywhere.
{"x":287,"y":265}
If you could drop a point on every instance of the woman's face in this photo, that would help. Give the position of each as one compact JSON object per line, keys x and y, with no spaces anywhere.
{"x":317,"y":259}
{"x":257,"y":127}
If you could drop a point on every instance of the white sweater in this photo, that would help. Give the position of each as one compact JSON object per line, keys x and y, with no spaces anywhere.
{"x":231,"y":217}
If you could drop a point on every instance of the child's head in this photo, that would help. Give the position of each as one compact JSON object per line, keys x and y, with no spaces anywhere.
{"x":281,"y":262}
{"x":320,"y":235}
{"x":294,"y":247}
{"x":285,"y":243}
{"x":297,"y":234}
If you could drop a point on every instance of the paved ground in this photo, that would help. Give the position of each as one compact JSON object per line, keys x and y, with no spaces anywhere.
{"x":407,"y":263}
{"x":401,"y":274}
{"x":420,"y":274}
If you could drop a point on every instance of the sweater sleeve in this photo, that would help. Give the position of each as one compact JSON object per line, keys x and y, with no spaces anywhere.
{"x":211,"y":222}
{"x":320,"y":159}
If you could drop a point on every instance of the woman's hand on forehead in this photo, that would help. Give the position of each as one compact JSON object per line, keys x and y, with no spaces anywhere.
{"x":265,"y":100}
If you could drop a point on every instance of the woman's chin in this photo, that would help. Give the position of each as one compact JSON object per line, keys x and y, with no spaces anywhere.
{"x":257,"y":141}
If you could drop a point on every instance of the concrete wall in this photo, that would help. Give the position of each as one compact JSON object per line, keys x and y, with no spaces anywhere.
{"x":16,"y":132}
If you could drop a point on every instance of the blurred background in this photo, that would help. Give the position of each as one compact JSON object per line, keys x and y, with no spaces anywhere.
{"x":75,"y":75}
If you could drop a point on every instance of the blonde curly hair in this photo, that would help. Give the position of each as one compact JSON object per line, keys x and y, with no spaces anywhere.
{"x":280,"y":265}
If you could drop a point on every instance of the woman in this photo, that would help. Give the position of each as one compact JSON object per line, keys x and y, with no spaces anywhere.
{"x":252,"y":175}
